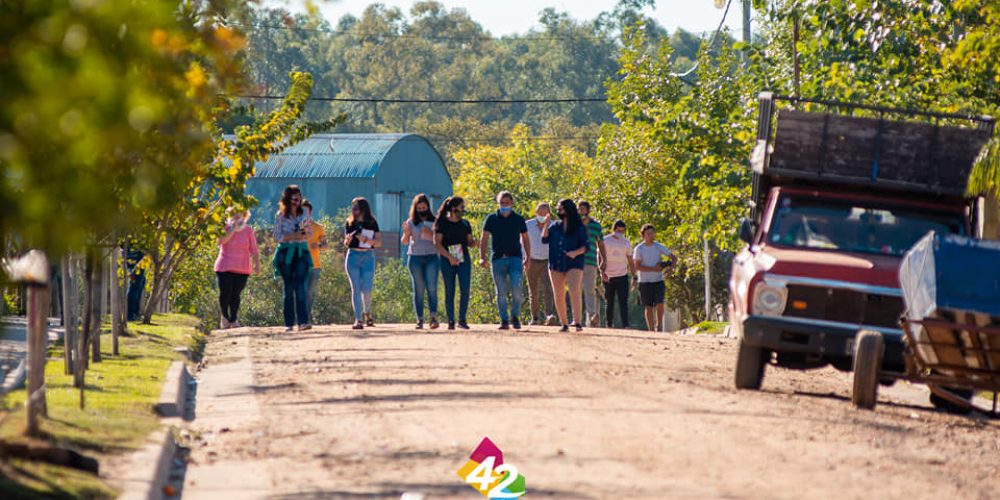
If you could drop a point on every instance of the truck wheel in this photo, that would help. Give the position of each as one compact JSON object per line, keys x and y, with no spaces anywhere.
{"x":750,"y":364}
{"x":868,"y":352}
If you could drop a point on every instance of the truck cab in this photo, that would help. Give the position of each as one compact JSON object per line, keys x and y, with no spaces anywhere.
{"x":837,"y":200}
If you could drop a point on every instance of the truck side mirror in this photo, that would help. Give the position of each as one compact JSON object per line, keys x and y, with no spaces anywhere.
{"x":746,"y":231}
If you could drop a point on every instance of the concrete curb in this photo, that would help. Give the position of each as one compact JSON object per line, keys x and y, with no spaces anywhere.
{"x":149,"y":468}
{"x":174,"y":392}
{"x":15,"y":378}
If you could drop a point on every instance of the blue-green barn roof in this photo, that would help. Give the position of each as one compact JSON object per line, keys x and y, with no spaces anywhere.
{"x":336,"y":156}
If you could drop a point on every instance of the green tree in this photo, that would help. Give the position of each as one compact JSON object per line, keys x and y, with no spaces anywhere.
{"x":196,"y":218}
{"x":97,"y":99}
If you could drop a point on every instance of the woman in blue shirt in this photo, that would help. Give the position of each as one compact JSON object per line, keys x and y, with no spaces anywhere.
{"x":567,"y":240}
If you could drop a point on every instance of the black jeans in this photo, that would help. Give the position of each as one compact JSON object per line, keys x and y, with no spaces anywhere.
{"x":616,"y":286}
{"x":230,"y":287}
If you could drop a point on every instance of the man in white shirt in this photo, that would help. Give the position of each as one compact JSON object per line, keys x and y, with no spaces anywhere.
{"x":539,"y":285}
{"x":649,"y":263}
{"x":616,"y":266}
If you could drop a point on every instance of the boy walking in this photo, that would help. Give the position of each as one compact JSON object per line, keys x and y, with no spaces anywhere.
{"x":649,"y":263}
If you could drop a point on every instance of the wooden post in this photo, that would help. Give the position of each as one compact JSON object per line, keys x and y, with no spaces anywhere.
{"x":69,"y":311}
{"x":32,"y":270}
{"x":116,"y":305}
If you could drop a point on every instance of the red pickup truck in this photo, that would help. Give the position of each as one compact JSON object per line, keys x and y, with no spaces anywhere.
{"x":837,"y":199}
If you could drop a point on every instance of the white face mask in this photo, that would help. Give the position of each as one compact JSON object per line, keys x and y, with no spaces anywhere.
{"x":540,"y":219}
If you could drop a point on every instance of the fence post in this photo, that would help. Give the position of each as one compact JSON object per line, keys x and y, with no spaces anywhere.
{"x":32,"y":270}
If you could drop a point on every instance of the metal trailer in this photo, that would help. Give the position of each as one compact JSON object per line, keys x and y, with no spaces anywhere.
{"x":951,"y":326}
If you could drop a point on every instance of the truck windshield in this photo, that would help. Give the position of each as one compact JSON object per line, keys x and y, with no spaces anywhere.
{"x":853,"y":227}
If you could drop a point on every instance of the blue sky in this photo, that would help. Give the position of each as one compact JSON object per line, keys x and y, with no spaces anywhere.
{"x":503,"y":17}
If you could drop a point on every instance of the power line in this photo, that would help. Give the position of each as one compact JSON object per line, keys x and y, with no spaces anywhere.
{"x":722,"y":22}
{"x":435,"y":101}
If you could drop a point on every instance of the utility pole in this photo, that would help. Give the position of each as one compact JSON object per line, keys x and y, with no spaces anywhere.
{"x":746,"y":21}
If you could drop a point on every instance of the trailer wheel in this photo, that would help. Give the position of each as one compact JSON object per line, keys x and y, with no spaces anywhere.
{"x":750,"y":364}
{"x":868,"y":352}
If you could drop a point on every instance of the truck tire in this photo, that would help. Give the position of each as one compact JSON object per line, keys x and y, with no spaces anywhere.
{"x":869,"y":348}
{"x":750,"y":364}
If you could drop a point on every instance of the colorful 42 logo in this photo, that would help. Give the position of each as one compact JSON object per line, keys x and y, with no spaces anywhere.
{"x":488,"y":474}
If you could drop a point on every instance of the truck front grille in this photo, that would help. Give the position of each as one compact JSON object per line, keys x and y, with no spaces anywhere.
{"x":845,"y":306}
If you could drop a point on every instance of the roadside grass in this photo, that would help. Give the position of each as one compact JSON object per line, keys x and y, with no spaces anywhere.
{"x":118,"y":414}
{"x":711,"y":327}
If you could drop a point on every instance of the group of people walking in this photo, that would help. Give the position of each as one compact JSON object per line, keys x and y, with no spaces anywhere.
{"x":560,"y":256}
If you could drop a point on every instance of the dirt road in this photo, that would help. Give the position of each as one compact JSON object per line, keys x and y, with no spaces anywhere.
{"x":604,"y":414}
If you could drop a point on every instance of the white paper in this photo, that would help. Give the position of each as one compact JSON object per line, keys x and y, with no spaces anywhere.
{"x":368,"y":234}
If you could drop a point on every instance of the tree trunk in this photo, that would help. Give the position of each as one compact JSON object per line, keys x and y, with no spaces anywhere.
{"x":116,"y":306}
{"x":98,"y":314}
{"x":149,"y":305}
{"x":707,"y":261}
{"x":69,"y":310}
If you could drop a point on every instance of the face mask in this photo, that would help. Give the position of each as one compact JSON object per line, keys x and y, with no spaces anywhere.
{"x":540,"y":219}
{"x":561,"y":215}
{"x":620,"y":234}
{"x":506,"y":210}
{"x":424,"y":213}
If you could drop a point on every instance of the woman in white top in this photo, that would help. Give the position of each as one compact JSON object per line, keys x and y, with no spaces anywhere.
{"x":616,"y":266}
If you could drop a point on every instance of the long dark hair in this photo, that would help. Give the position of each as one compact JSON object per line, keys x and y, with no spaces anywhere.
{"x":285,"y":205}
{"x":366,"y":210}
{"x":573,"y":220}
{"x":418,"y":199}
{"x":450,"y":203}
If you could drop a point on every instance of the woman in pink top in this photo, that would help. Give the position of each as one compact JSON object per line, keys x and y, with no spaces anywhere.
{"x":238,"y":258}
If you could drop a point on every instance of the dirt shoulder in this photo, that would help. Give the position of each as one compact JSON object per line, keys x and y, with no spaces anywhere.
{"x":604,"y":414}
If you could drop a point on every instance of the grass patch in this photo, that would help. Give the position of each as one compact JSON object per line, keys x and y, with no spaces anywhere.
{"x":711,"y":327}
{"x":118,"y":415}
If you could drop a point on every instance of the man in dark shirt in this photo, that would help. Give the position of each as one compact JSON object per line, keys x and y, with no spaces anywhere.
{"x":509,"y":233}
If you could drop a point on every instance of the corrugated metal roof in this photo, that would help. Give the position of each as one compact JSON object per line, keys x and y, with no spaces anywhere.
{"x":333,"y":155}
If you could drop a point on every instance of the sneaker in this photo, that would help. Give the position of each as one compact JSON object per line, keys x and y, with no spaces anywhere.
{"x":516,"y":323}
{"x":434,"y":323}
{"x":358,"y":325}
{"x":552,"y":320}
{"x":289,"y":329}
{"x":463,"y":325}
{"x":578,"y":327}
{"x":608,"y":325}
{"x":594,"y":320}
{"x":224,"y":323}
{"x":369,"y":322}
{"x":420,"y":324}
{"x":564,"y":329}
{"x":504,"y":326}
{"x":305,"y":327}
{"x":451,"y":325}
{"x":235,"y":324}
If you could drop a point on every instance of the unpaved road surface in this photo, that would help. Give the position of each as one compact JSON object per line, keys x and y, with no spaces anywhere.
{"x":333,"y":413}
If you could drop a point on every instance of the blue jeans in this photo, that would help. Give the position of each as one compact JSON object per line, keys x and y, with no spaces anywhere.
{"x":463,"y":272}
{"x":424,"y":276}
{"x":508,"y":273}
{"x":311,"y":285}
{"x":294,"y":272}
{"x":360,"y":268}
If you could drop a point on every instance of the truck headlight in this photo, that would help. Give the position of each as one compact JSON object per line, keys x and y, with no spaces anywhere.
{"x":769,"y":299}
